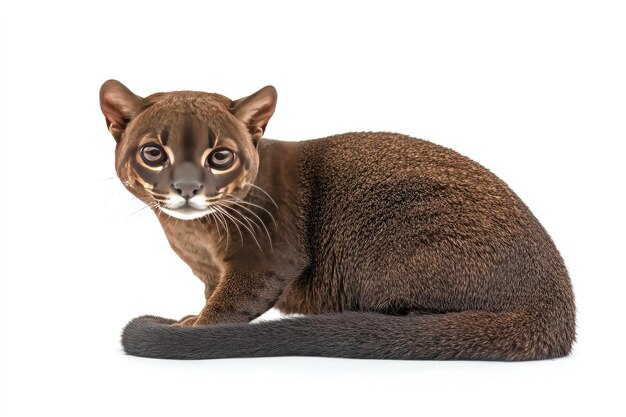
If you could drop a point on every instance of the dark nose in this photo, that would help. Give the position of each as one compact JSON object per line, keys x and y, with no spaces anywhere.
{"x":187,"y":189}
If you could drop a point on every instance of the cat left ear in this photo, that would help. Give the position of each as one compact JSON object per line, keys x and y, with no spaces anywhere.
{"x":255,"y":111}
{"x":119,"y":105}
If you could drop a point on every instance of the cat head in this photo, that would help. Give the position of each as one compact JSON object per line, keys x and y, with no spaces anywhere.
{"x":181,"y":151}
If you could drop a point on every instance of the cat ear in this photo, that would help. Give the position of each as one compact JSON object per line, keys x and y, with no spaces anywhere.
{"x":255,"y":111}
{"x":119,"y":105}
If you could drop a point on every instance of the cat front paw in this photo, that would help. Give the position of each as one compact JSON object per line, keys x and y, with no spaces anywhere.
{"x":187,"y":321}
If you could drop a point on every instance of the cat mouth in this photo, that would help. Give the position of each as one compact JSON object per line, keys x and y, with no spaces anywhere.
{"x":187,"y":211}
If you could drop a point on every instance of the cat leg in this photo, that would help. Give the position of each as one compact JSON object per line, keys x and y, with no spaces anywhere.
{"x":210,"y":282}
{"x":239,"y":297}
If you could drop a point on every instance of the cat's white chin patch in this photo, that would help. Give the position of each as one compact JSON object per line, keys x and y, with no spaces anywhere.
{"x":187,"y":213}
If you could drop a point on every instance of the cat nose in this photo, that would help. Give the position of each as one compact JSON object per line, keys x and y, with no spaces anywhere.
{"x":187,"y":189}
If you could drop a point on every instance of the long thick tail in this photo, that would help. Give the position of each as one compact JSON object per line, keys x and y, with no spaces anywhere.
{"x":463,"y":335}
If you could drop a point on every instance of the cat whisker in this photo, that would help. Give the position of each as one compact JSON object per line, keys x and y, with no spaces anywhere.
{"x":159,"y":199}
{"x":251,"y":222}
{"x":231,"y":216}
{"x":250,"y":229}
{"x":159,"y":210}
{"x":199,"y":220}
{"x":163,"y":196}
{"x":269,"y":238}
{"x":115,"y":192}
{"x":213,"y":216}
{"x":137,"y":211}
{"x":220,"y":217}
{"x":238,"y":204}
{"x":263,"y":191}
{"x":239,"y":200}
{"x":228,"y":216}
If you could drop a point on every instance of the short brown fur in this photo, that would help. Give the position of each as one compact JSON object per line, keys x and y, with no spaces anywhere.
{"x":393,"y":247}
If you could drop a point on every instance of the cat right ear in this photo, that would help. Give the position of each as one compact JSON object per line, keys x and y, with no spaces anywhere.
{"x":255,"y":111}
{"x":119,"y":106}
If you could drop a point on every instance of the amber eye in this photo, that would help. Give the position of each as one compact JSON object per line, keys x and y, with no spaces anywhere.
{"x":153,"y":154}
{"x":221,"y":158}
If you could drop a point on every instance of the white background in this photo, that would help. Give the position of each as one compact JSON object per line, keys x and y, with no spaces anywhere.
{"x":534,"y":91}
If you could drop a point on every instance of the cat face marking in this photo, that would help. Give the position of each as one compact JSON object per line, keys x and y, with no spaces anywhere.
{"x":182,"y":152}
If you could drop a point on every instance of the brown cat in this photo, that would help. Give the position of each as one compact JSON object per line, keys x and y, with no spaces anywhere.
{"x":391,"y":246}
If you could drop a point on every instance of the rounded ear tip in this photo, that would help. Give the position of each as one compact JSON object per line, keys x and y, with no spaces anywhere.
{"x":110,"y":83}
{"x":107,"y":86}
{"x":112,"y":86}
{"x":270,"y":89}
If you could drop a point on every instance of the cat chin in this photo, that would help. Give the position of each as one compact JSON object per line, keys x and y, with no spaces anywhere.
{"x":187,"y":213}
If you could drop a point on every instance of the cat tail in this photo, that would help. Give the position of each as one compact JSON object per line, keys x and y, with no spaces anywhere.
{"x":515,"y":335}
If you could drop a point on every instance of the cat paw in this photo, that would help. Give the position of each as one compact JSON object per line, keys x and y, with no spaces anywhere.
{"x":187,"y":321}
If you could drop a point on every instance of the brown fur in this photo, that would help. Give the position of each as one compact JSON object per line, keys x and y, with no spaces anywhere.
{"x":400,"y":248}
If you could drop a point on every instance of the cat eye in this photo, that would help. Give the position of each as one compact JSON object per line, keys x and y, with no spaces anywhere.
{"x":153,"y":154}
{"x":221,"y":158}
